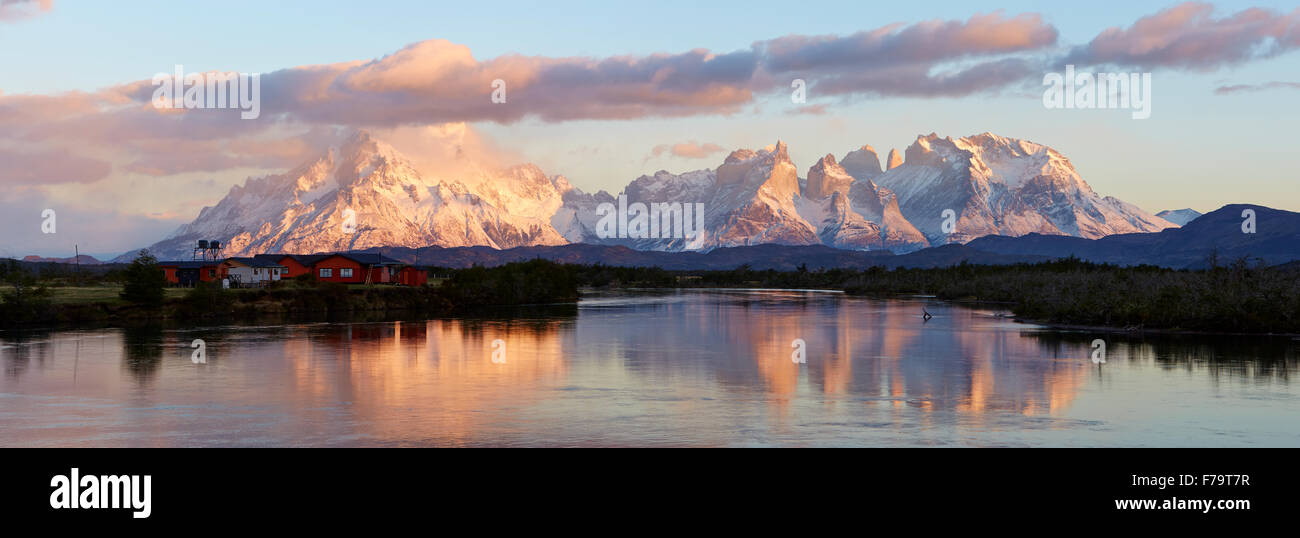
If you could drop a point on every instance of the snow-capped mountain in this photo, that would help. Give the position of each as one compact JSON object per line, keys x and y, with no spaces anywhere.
{"x":365,"y":194}
{"x":1179,"y":216}
{"x":1003,"y":186}
{"x":851,"y":211}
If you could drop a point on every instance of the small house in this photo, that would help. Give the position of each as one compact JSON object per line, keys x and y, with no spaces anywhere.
{"x":251,"y":272}
{"x":188,"y":273}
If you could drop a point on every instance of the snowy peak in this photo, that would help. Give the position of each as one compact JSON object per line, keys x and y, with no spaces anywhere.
{"x":365,"y":193}
{"x":768,"y":170}
{"x":930,"y":150}
{"x":1179,"y":216}
{"x":998,"y":185}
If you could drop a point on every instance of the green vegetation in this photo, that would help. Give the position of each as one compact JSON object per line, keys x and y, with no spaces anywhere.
{"x":1238,"y":298}
{"x":24,"y":296}
{"x":144,"y":281}
{"x":531,"y":282}
{"x":1234,"y":298}
{"x":535,"y":282}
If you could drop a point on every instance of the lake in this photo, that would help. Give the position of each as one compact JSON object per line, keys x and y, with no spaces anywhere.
{"x":652,"y":368}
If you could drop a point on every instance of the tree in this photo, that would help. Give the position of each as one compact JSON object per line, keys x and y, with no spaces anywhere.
{"x":144,"y":281}
{"x":28,"y":300}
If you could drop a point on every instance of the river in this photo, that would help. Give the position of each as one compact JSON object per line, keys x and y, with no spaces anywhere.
{"x":674,"y":368}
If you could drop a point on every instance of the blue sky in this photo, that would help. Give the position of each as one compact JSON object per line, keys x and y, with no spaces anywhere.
{"x":1198,"y":150}
{"x":83,"y":44}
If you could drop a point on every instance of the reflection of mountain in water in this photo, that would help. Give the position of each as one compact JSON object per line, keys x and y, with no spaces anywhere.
{"x":667,"y":368}
{"x":873,"y":352}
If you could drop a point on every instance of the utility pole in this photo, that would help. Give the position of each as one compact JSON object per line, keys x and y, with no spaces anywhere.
{"x":76,"y":255}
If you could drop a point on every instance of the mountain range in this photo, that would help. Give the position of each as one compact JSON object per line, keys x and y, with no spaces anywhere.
{"x":365,"y":194}
{"x":1217,"y":234}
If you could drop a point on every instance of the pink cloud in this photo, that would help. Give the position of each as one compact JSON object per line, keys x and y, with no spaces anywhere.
{"x":438,"y":82}
{"x":687,"y":150}
{"x":1190,"y":36}
{"x":12,"y":10}
{"x":49,"y":167}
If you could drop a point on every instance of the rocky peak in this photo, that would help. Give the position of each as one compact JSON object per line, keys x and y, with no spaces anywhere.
{"x":895,"y":160}
{"x":862,"y":163}
{"x":826,"y":178}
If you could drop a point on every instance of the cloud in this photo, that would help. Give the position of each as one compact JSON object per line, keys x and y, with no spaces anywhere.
{"x":13,"y":10}
{"x":1238,"y":88}
{"x":920,"y":80}
{"x":40,"y":167}
{"x":1189,"y":36}
{"x":925,"y":42}
{"x":437,"y":82}
{"x":809,"y":110}
{"x":934,"y":58}
{"x":686,"y":150}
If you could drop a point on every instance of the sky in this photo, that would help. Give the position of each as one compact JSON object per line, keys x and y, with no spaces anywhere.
{"x":603,"y":92}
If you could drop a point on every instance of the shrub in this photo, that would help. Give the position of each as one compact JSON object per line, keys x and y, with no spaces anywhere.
{"x":144,"y":281}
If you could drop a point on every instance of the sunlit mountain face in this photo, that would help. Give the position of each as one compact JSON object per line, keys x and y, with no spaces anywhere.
{"x":366,"y":194}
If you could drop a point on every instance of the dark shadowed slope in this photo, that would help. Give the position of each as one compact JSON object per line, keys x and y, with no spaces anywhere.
{"x":1276,"y":240}
{"x":759,"y":257}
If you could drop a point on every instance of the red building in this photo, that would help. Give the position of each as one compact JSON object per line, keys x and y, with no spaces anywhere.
{"x":294,"y":263}
{"x":188,"y":273}
{"x":350,"y":268}
{"x":339,"y":268}
{"x":410,"y":276}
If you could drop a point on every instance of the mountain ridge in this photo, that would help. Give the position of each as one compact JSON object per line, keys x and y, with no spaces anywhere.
{"x":364,"y":193}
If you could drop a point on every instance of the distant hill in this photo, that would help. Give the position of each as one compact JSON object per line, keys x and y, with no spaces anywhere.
{"x":84,"y":260}
{"x":758,"y":257}
{"x":1276,"y":240}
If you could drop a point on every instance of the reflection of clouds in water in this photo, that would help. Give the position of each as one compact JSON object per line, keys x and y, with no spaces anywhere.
{"x":675,"y":367}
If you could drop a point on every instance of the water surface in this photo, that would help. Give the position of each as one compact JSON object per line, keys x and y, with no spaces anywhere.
{"x":677,"y":368}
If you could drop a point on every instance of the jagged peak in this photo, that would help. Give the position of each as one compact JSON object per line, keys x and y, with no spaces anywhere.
{"x":828,"y":160}
{"x":826,"y":178}
{"x":739,"y":155}
{"x":779,"y":148}
{"x":862,"y":163}
{"x":895,"y":159}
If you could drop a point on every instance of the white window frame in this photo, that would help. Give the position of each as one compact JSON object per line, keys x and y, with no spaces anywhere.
{"x":326,"y":272}
{"x":345,"y":272}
